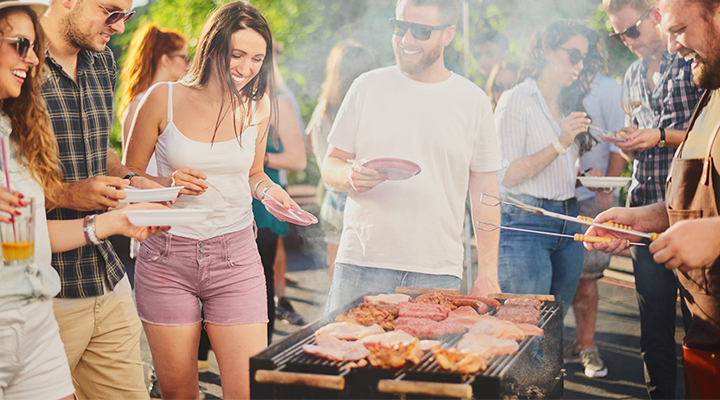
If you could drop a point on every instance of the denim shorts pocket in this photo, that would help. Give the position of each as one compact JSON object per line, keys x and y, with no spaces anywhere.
{"x":151,"y":250}
{"x":241,"y":252}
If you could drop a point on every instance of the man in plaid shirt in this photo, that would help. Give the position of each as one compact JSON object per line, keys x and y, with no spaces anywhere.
{"x":663,"y":82}
{"x":95,"y":310}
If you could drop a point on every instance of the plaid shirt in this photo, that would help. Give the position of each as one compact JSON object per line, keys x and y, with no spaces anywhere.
{"x":81,"y":115}
{"x":669,"y":106}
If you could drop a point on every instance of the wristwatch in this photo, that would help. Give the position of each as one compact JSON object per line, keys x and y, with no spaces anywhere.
{"x":130,"y":176}
{"x":661,"y":142}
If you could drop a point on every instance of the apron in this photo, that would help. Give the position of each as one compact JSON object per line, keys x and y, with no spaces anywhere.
{"x":690,"y":195}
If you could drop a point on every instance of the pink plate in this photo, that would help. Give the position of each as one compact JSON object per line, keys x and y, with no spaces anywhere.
{"x":295,"y":215}
{"x":396,"y":169}
{"x":612,"y":139}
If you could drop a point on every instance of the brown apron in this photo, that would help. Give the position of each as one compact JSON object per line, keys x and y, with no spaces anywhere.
{"x":690,"y":195}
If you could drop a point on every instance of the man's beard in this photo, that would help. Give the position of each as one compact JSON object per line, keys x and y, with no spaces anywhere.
{"x":74,"y":36}
{"x":428,"y":58}
{"x":707,"y":74}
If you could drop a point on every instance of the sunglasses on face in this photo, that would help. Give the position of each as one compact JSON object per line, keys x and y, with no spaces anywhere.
{"x":418,"y":31}
{"x":115,"y":16}
{"x":185,"y":57}
{"x":632,"y":32}
{"x":22,"y":45}
{"x":574,"y":55}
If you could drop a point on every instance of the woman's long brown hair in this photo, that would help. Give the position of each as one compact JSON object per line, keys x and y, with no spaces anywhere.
{"x":31,"y":127}
{"x":148,"y":45}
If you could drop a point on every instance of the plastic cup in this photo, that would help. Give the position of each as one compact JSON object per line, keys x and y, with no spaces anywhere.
{"x":18,"y":238}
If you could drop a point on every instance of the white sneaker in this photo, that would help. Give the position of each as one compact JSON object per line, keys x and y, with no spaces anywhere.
{"x":593,"y":363}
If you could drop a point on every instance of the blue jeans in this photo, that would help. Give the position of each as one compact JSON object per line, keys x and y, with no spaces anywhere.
{"x":657,"y":289}
{"x":531,"y":263}
{"x":352,"y":281}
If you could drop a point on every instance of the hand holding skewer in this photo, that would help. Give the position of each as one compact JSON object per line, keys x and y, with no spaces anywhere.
{"x":632,"y":220}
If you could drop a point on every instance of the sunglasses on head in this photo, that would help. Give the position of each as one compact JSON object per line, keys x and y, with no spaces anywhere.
{"x":632,"y":32}
{"x":115,"y":16}
{"x":22,"y":45}
{"x":418,"y":31}
{"x":574,"y":55}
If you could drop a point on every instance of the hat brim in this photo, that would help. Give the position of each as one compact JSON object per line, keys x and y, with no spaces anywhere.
{"x":38,"y":8}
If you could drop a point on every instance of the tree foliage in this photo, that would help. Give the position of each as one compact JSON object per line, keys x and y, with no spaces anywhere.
{"x":310,"y":28}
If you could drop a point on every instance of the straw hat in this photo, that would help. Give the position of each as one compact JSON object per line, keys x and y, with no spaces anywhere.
{"x":39,"y":8}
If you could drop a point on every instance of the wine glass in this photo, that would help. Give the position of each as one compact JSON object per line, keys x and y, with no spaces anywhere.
{"x":630,"y":101}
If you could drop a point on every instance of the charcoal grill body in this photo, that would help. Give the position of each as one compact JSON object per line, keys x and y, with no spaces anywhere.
{"x":535,"y":371}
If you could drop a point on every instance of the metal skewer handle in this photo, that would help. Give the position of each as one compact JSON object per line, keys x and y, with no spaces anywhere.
{"x":577,"y":237}
{"x":494,"y":201}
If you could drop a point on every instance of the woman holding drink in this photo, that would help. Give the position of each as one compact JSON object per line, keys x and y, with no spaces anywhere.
{"x":542,"y":129}
{"x":209,"y":133}
{"x":33,"y":363}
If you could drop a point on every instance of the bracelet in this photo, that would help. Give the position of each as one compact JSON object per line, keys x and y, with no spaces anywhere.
{"x":561,"y":150}
{"x":258,"y":184}
{"x":264,"y":192}
{"x":89,"y":230}
{"x":85,"y":230}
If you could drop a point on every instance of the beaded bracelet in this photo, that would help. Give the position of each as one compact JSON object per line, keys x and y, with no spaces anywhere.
{"x":89,"y":230}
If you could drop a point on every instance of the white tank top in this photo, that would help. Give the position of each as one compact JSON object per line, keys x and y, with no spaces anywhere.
{"x":227,"y":166}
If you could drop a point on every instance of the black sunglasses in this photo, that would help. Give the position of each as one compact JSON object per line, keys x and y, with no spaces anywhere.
{"x":22,"y":45}
{"x":574,"y":55}
{"x":632,"y":32}
{"x":115,"y":16}
{"x":418,"y":31}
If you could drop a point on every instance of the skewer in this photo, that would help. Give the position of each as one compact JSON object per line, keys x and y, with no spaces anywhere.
{"x":537,"y":210}
{"x":577,"y":237}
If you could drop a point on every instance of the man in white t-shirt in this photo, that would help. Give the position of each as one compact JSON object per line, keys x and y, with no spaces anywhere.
{"x":408,"y":232}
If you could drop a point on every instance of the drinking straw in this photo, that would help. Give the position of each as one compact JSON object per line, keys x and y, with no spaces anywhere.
{"x":7,"y":175}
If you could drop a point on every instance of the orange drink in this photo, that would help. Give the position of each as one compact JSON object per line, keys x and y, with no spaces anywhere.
{"x":18,"y":237}
{"x":17,"y":251}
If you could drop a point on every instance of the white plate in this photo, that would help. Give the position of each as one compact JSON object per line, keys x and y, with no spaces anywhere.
{"x":135,"y":195}
{"x":604,"y":181}
{"x":169,"y":217}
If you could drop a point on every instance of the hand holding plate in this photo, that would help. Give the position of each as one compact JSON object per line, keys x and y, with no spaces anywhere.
{"x":117,"y":223}
{"x":363,"y":179}
{"x":192,"y":180}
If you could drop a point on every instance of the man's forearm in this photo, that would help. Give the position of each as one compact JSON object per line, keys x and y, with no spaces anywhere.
{"x":115,"y":166}
{"x":336,"y":172}
{"x":487,"y":241}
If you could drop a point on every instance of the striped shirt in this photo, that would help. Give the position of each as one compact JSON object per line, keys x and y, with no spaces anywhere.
{"x":669,"y":106}
{"x":524,"y":127}
{"x":81,"y":115}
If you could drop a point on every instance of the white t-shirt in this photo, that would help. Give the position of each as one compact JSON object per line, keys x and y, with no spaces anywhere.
{"x":447,"y":129}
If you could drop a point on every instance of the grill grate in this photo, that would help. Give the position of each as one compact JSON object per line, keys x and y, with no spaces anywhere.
{"x":294,"y":358}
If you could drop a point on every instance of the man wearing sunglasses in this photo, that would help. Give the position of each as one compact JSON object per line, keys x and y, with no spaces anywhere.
{"x":95,"y":310}
{"x":489,"y":48}
{"x":407,"y":232}
{"x":669,"y":96}
{"x":688,"y":219}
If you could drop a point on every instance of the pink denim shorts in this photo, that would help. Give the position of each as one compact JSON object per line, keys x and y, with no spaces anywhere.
{"x":174,"y":274}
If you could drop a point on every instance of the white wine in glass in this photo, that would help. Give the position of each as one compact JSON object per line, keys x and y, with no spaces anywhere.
{"x":630,"y":101}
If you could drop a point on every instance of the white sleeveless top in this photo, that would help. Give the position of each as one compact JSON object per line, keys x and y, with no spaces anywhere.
{"x":227,"y":166}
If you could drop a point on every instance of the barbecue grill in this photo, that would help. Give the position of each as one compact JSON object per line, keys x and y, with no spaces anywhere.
{"x":285,"y":371}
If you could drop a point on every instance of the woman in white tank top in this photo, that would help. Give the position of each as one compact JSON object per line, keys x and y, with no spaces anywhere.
{"x":209,"y":133}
